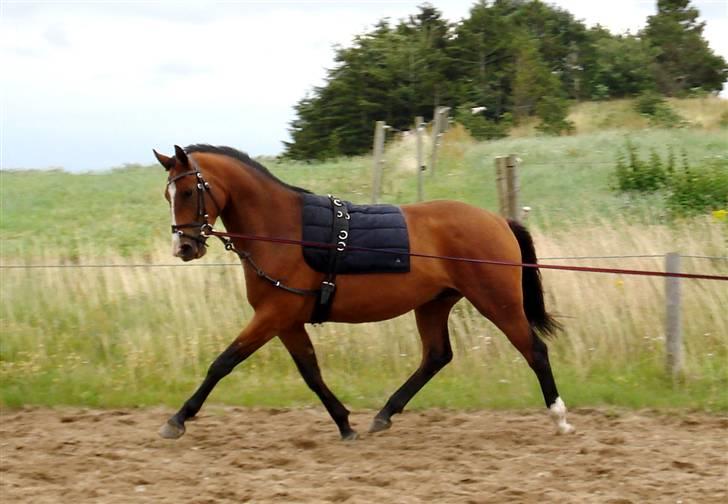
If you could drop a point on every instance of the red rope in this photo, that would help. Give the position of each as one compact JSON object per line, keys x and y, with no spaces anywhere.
{"x":288,"y":241}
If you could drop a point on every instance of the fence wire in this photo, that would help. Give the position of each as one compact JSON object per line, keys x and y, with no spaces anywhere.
{"x":227,"y":264}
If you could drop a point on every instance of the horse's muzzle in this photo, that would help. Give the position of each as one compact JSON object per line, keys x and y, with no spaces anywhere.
{"x":189,"y":250}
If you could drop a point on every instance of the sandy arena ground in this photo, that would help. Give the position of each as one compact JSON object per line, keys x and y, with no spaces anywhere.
{"x":254,"y":455}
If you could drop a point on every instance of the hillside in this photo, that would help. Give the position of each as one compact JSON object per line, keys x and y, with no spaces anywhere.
{"x":708,"y":113}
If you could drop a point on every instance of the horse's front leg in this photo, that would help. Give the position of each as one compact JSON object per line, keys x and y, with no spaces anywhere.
{"x":299,"y":345}
{"x":255,"y":335}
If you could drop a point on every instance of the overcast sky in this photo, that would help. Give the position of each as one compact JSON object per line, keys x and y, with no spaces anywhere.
{"x":94,"y":84}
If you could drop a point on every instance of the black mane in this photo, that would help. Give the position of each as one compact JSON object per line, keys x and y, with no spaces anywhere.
{"x":243,"y":158}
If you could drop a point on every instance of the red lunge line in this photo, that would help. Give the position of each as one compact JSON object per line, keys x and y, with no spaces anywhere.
{"x":288,"y":241}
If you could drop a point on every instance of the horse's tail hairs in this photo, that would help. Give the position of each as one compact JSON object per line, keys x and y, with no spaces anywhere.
{"x":533,"y":302}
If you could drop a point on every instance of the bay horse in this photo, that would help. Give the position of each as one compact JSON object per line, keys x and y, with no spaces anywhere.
{"x":206,"y":183}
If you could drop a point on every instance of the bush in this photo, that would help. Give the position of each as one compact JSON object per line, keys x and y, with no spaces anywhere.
{"x":655,"y":108}
{"x":633,"y":174}
{"x":553,"y":112}
{"x":697,"y":191}
{"x":687,"y":190}
{"x":649,"y":103}
{"x":600,"y":92}
{"x":482,"y":128}
{"x":667,"y":118}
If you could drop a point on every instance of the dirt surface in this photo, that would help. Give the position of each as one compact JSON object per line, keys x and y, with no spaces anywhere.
{"x":251,"y":455}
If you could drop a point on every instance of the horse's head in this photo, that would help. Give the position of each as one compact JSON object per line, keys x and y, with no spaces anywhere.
{"x":193,"y":205}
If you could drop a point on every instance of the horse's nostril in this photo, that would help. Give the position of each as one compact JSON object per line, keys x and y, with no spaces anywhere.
{"x":186,"y":249}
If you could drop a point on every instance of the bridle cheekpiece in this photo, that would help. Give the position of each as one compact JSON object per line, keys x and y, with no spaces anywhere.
{"x":203,"y":223}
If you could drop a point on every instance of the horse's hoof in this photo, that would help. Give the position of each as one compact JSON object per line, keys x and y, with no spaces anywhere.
{"x":171,"y":430}
{"x":350,"y":436}
{"x":380,"y":424}
{"x":565,"y":428}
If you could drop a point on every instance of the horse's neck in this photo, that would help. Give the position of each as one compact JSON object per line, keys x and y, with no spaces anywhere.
{"x":261,"y":206}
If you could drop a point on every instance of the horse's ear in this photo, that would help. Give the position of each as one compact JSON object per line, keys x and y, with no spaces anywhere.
{"x":165,"y":161}
{"x":181,"y":155}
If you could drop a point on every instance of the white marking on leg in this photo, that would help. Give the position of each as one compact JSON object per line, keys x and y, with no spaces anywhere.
{"x":172,"y":190}
{"x":557,"y":412}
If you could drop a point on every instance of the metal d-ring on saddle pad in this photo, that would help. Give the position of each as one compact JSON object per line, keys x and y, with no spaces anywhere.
{"x":345,"y":227}
{"x":380,"y":227}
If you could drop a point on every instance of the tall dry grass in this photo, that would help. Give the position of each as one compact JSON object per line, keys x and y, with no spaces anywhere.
{"x":139,"y":335}
{"x":705,"y":113}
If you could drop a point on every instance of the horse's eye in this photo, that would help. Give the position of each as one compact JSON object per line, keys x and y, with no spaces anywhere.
{"x":187,"y":193}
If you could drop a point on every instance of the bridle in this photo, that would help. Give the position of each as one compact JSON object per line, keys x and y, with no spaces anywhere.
{"x":202,"y":223}
{"x":206,"y":229}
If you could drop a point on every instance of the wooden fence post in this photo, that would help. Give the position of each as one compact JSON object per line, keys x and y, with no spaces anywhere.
{"x":514,"y":187}
{"x":506,"y":179}
{"x":444,"y":119}
{"x":435,"y":140}
{"x":419,"y":123}
{"x":377,"y":168}
{"x":439,"y":126}
{"x":673,"y":334}
{"x":500,"y":185}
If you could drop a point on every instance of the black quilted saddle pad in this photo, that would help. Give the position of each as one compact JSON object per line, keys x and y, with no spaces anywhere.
{"x":380,"y":227}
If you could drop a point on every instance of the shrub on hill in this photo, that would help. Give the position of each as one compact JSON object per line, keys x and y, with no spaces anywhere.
{"x":480,"y":127}
{"x":687,"y":191}
{"x":656,"y":109}
{"x":695,"y":191}
{"x":553,"y":112}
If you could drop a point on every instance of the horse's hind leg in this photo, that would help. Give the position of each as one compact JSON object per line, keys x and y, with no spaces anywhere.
{"x":540,"y":364}
{"x":299,"y":345}
{"x":510,"y":318}
{"x":436,"y":353}
{"x":537,"y":355}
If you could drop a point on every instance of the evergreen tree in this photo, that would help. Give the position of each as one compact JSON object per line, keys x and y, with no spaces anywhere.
{"x":485,"y":59}
{"x":517,"y":58}
{"x":560,"y":40}
{"x":684,"y":60}
{"x":618,"y":66}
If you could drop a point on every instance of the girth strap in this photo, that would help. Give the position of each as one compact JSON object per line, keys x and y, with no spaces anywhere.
{"x":339,"y":240}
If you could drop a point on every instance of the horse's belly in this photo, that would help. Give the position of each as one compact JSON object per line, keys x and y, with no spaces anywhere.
{"x":369,"y":298}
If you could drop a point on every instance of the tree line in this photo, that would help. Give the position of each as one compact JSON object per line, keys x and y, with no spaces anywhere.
{"x":515,"y":58}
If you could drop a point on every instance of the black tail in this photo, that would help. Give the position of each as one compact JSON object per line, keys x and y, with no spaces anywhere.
{"x":543,"y":323}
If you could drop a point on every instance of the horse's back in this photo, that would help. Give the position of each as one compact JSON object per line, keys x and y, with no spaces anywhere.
{"x":446,"y":227}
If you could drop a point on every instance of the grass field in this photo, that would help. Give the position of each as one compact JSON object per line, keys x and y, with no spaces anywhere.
{"x":139,"y":335}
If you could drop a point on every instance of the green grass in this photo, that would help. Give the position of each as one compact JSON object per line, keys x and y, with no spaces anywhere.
{"x":138,"y":336}
{"x":361,"y":387}
{"x":121,"y":211}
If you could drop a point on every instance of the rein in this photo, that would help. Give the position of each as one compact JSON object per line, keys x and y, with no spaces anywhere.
{"x":246,"y":256}
{"x":289,"y":241}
